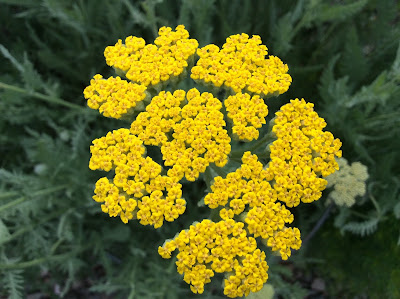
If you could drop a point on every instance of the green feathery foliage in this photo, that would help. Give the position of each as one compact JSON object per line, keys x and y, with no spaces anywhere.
{"x":344,"y":56}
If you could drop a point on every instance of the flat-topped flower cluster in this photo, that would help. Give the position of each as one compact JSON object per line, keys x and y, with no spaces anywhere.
{"x":194,"y":132}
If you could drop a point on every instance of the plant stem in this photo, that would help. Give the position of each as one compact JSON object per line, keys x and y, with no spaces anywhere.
{"x":208,"y":177}
{"x":8,"y":194}
{"x":43,"y":97}
{"x":377,"y":207}
{"x":12,"y":203}
{"x":34,"y":194}
{"x":218,"y":170}
{"x":359,"y":214}
{"x":318,"y":225}
{"x":264,"y":140}
{"x":374,"y":202}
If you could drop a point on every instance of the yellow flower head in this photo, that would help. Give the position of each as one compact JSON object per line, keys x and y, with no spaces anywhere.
{"x":189,"y":128}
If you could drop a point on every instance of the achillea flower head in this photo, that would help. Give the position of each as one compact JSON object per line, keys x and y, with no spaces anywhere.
{"x":349,"y":182}
{"x":190,"y":130}
{"x":241,"y":65}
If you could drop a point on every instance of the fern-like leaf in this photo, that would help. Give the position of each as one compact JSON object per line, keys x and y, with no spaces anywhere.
{"x":13,"y":283}
{"x":326,"y":80}
{"x":363,"y":228}
{"x":353,"y":62}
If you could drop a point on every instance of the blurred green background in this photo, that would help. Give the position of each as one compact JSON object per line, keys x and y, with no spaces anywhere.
{"x":344,"y":56}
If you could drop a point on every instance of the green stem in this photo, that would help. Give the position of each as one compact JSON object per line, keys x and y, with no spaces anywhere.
{"x":208,"y":177}
{"x":359,"y":214}
{"x":377,"y":207}
{"x":214,"y":215}
{"x":12,"y":203}
{"x":40,"y":96}
{"x":8,"y":194}
{"x":374,"y":202}
{"x":34,"y":194}
{"x":218,"y":170}
{"x":263,"y":141}
{"x":267,"y":138}
{"x":56,"y":245}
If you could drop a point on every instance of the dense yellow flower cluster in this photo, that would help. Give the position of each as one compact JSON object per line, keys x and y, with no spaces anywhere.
{"x":301,"y":153}
{"x":190,"y":137}
{"x":209,"y":247}
{"x":115,"y":97}
{"x":138,"y":189}
{"x":249,"y":186}
{"x":242,"y":66}
{"x":247,"y":115}
{"x":151,"y":64}
{"x":190,"y":130}
{"x":349,"y":182}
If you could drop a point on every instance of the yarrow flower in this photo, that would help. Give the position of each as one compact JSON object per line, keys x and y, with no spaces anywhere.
{"x":195,"y":132}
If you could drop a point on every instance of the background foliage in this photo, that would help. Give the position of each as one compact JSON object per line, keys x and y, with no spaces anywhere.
{"x":344,"y":56}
